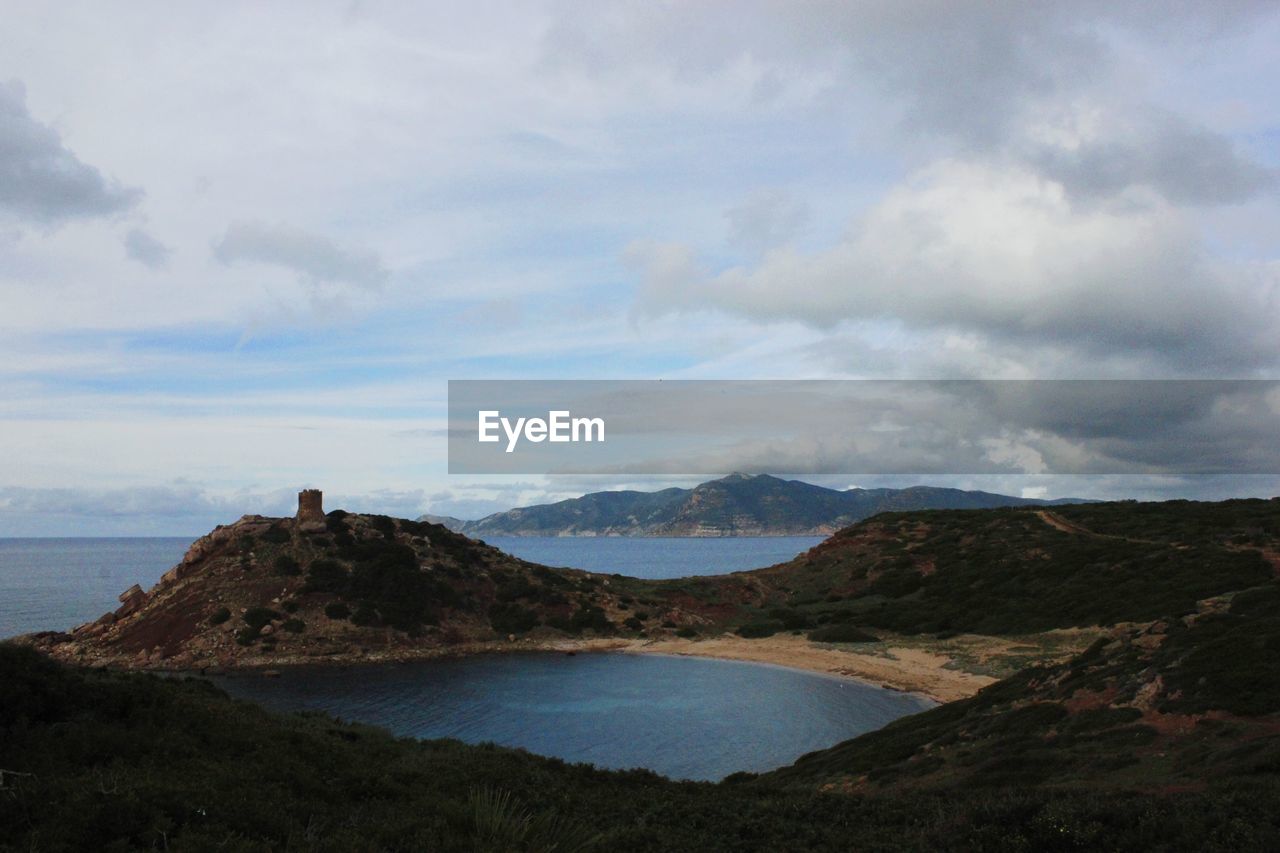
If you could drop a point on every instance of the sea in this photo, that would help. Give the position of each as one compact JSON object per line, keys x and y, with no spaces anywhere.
{"x":687,"y":718}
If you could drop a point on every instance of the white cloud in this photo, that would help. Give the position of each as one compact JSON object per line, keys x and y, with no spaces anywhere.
{"x":1006,"y":254}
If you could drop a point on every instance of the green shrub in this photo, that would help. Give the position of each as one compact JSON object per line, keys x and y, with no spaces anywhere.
{"x":383,"y":524}
{"x":257,"y":617}
{"x":590,"y":617}
{"x":326,"y":575}
{"x":222,"y":614}
{"x":294,"y":626}
{"x":287,"y":566}
{"x":687,"y":631}
{"x":510,"y":618}
{"x":791,"y":619}
{"x":337,"y":610}
{"x":756,"y":630}
{"x":276,"y":534}
{"x":365,"y":615}
{"x":842,"y":634}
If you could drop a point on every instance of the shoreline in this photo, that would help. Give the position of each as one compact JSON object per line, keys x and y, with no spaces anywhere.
{"x":890,"y":667}
{"x":929,"y":676}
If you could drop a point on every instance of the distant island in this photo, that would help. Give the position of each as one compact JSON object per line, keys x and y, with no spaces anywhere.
{"x":736,"y":505}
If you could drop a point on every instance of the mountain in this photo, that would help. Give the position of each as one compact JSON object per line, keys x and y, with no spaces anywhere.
{"x":737,"y":505}
{"x":449,"y":521}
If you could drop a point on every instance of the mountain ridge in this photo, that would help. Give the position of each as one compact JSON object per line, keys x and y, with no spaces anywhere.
{"x":736,"y":505}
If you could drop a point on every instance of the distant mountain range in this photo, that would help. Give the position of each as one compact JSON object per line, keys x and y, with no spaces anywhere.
{"x":737,"y":505}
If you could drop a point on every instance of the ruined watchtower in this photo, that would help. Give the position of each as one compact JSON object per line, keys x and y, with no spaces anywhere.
{"x":310,"y":509}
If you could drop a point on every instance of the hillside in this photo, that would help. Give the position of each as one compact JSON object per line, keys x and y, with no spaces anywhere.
{"x":1162,"y":733}
{"x":985,"y":590}
{"x":267,"y":591}
{"x":1161,"y":738}
{"x":1001,"y":572}
{"x":1179,"y":704}
{"x":737,"y":505}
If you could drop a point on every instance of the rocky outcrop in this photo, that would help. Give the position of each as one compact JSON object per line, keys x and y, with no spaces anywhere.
{"x":270,"y":591}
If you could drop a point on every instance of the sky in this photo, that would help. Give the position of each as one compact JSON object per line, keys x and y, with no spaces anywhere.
{"x":243,"y":246}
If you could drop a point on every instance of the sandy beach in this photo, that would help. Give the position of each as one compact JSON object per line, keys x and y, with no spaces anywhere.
{"x":897,"y":668}
{"x":910,"y":670}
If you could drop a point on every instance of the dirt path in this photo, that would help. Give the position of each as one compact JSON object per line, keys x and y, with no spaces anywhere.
{"x":1057,"y":522}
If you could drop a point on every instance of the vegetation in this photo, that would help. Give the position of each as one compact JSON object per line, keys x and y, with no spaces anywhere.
{"x":511,"y":618}
{"x":115,"y":762}
{"x":1162,"y":735}
{"x":1118,"y":714}
{"x":842,"y":634}
{"x":1012,"y":571}
{"x":287,"y":566}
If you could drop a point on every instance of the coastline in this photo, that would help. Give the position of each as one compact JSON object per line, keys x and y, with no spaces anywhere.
{"x":930,"y":676}
{"x":925,"y":674}
{"x":938,"y":670}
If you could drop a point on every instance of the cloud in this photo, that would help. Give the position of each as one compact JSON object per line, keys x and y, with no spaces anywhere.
{"x":41,"y":181}
{"x":146,"y":250}
{"x":766,"y":219}
{"x":1104,"y":154}
{"x":1039,"y":85}
{"x":316,"y":259}
{"x":1005,"y":254}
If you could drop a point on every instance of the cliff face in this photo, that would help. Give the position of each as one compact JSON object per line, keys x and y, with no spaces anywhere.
{"x":737,"y":505}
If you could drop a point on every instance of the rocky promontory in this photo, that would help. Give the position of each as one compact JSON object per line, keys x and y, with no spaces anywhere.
{"x":342,"y":587}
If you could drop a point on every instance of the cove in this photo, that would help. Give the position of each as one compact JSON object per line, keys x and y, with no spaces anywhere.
{"x":686,"y":718}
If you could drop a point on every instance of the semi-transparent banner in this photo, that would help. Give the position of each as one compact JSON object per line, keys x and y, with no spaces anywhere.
{"x":691,"y":427}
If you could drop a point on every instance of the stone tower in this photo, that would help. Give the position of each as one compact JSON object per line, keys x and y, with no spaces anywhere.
{"x":310,"y":509}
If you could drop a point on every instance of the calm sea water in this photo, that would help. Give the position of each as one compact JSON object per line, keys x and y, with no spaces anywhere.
{"x":657,"y":557}
{"x":687,"y":718}
{"x":56,"y":584}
